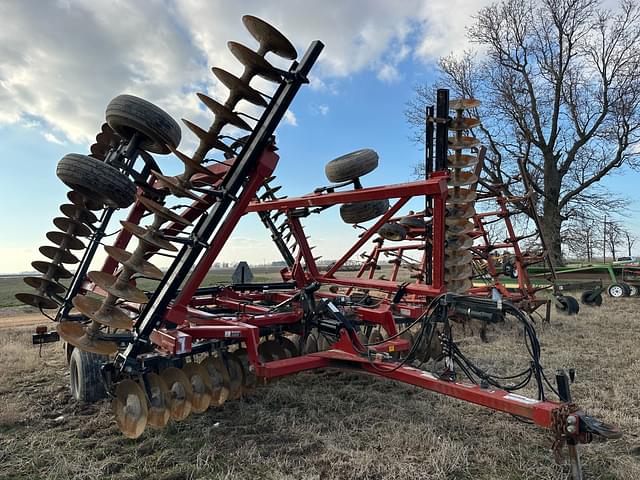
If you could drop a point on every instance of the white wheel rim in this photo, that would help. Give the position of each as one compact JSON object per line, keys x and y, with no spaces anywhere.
{"x":616,"y":291}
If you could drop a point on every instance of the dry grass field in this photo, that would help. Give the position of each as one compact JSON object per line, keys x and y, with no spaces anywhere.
{"x":328,"y":425}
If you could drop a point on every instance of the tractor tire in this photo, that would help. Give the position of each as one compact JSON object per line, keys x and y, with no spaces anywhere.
{"x":393,"y":232}
{"x":86,"y":379}
{"x":587,"y":298}
{"x":96,"y":180}
{"x":507,"y":269}
{"x":363,"y":211}
{"x":127,"y":115}
{"x":567,"y":305}
{"x":616,"y":290}
{"x":627,"y":289}
{"x":634,"y":291}
{"x":351,"y":166}
{"x":514,"y":272}
{"x":412,"y":222}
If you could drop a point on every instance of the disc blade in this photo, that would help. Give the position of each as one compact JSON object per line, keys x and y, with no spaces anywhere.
{"x":271,"y":350}
{"x":459,"y":226}
{"x":129,"y":406}
{"x":236,"y":377}
{"x":223,"y":113}
{"x":48,"y":268}
{"x":310,"y":344}
{"x":148,"y":236}
{"x":162,"y":211}
{"x":78,"y":213}
{"x":290,"y":348}
{"x":159,"y":400}
{"x":181,"y":393}
{"x":460,"y":160}
{"x":461,"y":179}
{"x":253,"y":62}
{"x":47,"y":286}
{"x":463,"y":103}
{"x":219,"y":376}
{"x":270,"y":39}
{"x":201,"y":386}
{"x":143,"y":267}
{"x":459,"y":286}
{"x":175,"y":186}
{"x":461,"y":195}
{"x":58,"y":254}
{"x":457,"y":258}
{"x":109,"y":283}
{"x":250,"y":381}
{"x":239,"y":88}
{"x":71,"y":226}
{"x":460,"y":124}
{"x":458,"y":242}
{"x":460,"y":272}
{"x":461,"y":143}
{"x":70,"y":241}
{"x":36,"y":300}
{"x":109,"y":316}
{"x":77,"y":335}
{"x":209,"y":138}
{"x":80,"y":200}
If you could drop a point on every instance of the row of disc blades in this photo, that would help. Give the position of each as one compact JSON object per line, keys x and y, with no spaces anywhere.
{"x":460,"y":204}
{"x":151,"y":238}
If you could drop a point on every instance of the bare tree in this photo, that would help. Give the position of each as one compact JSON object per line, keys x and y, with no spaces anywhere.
{"x":630,"y":239}
{"x":560,"y":82}
{"x":613,"y":235}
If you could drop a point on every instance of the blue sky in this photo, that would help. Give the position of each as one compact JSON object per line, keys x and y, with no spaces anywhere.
{"x":56,"y":82}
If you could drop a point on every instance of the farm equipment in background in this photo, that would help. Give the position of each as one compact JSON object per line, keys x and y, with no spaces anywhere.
{"x":183,"y":348}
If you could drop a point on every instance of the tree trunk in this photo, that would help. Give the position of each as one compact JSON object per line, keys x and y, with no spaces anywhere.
{"x":551,"y":218}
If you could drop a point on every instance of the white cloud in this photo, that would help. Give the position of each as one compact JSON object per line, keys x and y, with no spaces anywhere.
{"x":76,"y":57}
{"x":323,"y":109}
{"x":290,"y":118}
{"x":50,"y":137}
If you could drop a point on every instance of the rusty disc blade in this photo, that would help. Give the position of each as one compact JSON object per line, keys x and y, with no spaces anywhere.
{"x":239,"y":88}
{"x":459,"y":124}
{"x":70,"y":241}
{"x":77,"y":335}
{"x":71,"y":226}
{"x":175,"y":186}
{"x":462,"y":160}
{"x":78,"y":213}
{"x":209,"y":138}
{"x":159,"y":400}
{"x":463,"y":103}
{"x":152,"y":238}
{"x":461,"y":143}
{"x":458,"y":258}
{"x":109,"y":283}
{"x":458,"y":273}
{"x":461,"y":179}
{"x":459,"y":286}
{"x":109,"y":316}
{"x":455,"y":242}
{"x":250,"y":381}
{"x":323,"y":343}
{"x":48,"y":268}
{"x":48,"y":286}
{"x":219,"y":376}
{"x":290,"y":348}
{"x":271,"y":350}
{"x":310,"y":344}
{"x":35,"y":300}
{"x":58,"y":254}
{"x":253,"y":62}
{"x":80,"y":200}
{"x":223,"y":113}
{"x":270,"y":39}
{"x":143,"y":267}
{"x":192,"y":167}
{"x":463,"y":211}
{"x":458,"y":226}
{"x":461,"y":195}
{"x":99,"y":151}
{"x":236,"y":377}
{"x":163,"y":212}
{"x":180,"y":391}
{"x":201,"y":386}
{"x":108,"y":139}
{"x":129,"y":406}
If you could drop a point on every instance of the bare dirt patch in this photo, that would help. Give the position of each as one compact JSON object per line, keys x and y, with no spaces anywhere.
{"x":331,"y":424}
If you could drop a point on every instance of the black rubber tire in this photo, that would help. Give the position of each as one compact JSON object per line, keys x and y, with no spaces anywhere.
{"x":127,"y":115}
{"x":96,"y":180}
{"x":351,"y":166}
{"x":85,"y":379}
{"x":363,"y":211}
{"x":507,"y":269}
{"x":412,"y":222}
{"x":627,"y":289}
{"x":634,"y":291}
{"x":574,"y":306}
{"x":615,"y":290}
{"x":393,"y":232}
{"x":587,"y":299}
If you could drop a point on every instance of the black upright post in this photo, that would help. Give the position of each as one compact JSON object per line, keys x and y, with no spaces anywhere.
{"x":428,"y":201}
{"x":442,"y":113}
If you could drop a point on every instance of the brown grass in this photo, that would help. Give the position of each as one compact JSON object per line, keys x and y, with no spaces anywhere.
{"x":332,"y":425}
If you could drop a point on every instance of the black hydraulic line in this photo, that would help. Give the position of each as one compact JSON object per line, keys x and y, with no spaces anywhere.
{"x":234,"y":180}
